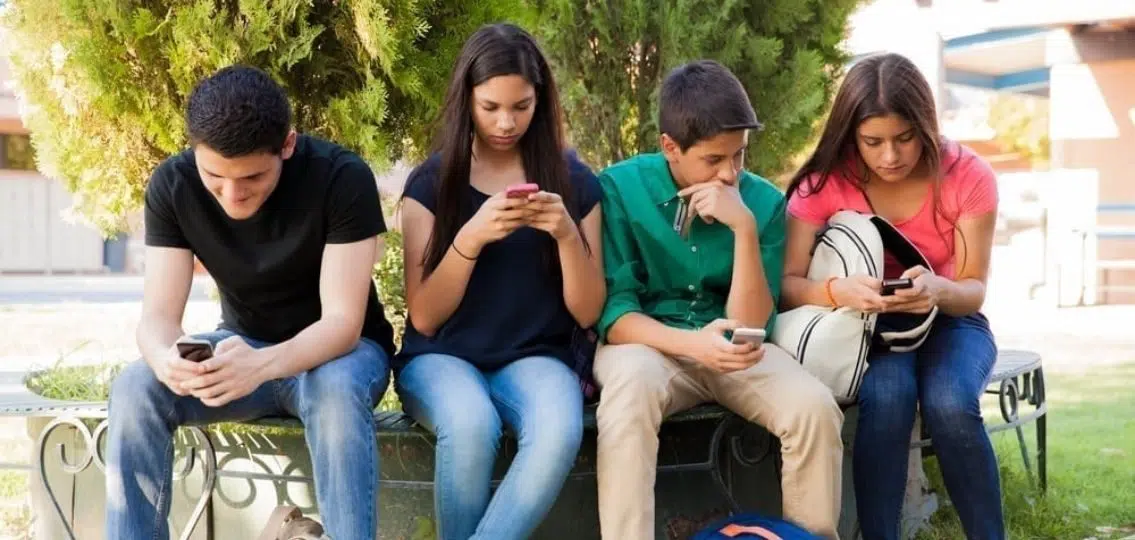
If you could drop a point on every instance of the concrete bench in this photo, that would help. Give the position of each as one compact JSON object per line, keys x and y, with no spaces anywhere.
{"x":711,"y":461}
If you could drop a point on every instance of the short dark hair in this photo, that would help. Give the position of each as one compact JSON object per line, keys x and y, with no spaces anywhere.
{"x":238,"y":111}
{"x":701,"y":99}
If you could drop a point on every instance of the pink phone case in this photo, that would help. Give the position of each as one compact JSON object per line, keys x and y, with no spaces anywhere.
{"x":521,"y":190}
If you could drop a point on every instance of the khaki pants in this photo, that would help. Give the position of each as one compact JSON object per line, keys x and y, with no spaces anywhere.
{"x":641,"y":386}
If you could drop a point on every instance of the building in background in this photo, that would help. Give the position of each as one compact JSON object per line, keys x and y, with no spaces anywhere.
{"x":34,"y":236}
{"x":1075,"y":62}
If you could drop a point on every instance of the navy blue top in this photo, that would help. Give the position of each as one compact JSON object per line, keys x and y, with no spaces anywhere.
{"x":513,"y":306}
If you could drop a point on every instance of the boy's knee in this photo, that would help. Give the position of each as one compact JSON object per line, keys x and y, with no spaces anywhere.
{"x":813,"y":411}
{"x":634,"y":381}
{"x":630,"y":370}
{"x":357,"y":378}
{"x":136,"y":386}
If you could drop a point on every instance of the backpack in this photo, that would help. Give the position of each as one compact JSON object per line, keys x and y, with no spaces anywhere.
{"x":584,"y":343}
{"x":833,"y":343}
{"x":754,"y":526}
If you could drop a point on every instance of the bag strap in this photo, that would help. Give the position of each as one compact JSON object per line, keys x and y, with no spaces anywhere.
{"x":734,"y":530}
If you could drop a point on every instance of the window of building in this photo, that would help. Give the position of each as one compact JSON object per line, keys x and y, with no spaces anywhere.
{"x":16,"y":152}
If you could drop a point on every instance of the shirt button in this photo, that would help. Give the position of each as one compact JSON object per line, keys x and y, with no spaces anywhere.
{"x":694,"y":249}
{"x":692,"y":287}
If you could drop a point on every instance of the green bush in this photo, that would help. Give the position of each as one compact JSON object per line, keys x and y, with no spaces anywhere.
{"x":611,"y":57}
{"x":104,"y":82}
{"x":391,"y":286}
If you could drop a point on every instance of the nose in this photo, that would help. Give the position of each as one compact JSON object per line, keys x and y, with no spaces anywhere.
{"x":230,"y":191}
{"x":729,"y":172}
{"x":506,"y":123}
{"x":890,"y":154}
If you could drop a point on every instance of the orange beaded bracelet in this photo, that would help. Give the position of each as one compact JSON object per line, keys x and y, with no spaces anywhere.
{"x":828,"y":290}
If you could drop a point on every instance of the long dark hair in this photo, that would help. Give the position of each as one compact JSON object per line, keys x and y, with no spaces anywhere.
{"x":492,"y":51}
{"x":876,"y":86}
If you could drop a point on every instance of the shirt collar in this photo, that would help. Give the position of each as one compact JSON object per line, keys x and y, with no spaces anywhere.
{"x":660,"y":183}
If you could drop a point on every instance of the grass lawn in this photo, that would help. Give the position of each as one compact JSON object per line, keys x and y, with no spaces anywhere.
{"x":1091,"y":464}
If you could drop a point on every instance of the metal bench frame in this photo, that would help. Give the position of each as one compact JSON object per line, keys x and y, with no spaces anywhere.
{"x":1018,"y":376}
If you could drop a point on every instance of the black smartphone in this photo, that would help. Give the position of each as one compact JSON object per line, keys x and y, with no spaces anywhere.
{"x":194,"y":350}
{"x":892,"y":285}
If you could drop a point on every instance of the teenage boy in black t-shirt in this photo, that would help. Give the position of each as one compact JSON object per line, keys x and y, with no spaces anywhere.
{"x":287,"y":225}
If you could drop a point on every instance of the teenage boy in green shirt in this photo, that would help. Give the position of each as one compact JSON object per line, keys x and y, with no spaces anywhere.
{"x":677,"y":286}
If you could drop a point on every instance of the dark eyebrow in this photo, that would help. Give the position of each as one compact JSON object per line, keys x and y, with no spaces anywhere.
{"x":254,"y":175}
{"x":723,"y":156}
{"x":490,"y":103}
{"x":903,"y":134}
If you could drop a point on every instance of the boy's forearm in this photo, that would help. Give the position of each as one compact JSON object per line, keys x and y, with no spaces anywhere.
{"x":156,"y":335}
{"x":750,"y":300}
{"x":322,"y":341}
{"x":642,"y":329}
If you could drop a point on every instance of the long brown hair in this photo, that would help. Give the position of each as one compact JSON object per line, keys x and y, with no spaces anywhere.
{"x":495,"y":50}
{"x":876,"y":86}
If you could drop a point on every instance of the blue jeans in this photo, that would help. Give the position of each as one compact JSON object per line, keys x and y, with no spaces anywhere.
{"x":538,"y":398}
{"x":946,"y":377}
{"x":335,"y":401}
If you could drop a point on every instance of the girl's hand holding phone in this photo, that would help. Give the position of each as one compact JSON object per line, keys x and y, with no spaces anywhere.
{"x":551,"y":216}
{"x":497,"y":218}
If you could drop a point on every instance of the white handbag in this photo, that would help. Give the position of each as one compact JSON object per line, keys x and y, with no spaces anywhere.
{"x":833,"y":344}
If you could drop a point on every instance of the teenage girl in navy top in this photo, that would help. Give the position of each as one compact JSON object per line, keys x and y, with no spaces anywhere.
{"x":495,"y":286}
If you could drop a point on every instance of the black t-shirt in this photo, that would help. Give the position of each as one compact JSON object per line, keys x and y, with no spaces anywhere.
{"x":267,"y":266}
{"x":513,"y":306}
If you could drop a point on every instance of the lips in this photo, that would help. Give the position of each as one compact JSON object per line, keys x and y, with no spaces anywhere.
{"x":503,"y":141}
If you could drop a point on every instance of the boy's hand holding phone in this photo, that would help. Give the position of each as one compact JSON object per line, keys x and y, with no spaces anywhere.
{"x":173,"y":369}
{"x":235,"y":370}
{"x":709,"y":347}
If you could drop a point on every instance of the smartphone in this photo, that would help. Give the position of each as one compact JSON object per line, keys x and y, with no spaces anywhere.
{"x":892,"y":285}
{"x":517,"y":191}
{"x":756,"y":336}
{"x":194,"y":350}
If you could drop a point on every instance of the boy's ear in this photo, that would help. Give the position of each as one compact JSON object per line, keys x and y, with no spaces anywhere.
{"x":289,"y":145}
{"x":670,"y":148}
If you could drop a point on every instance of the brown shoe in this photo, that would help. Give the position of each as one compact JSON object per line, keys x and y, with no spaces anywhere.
{"x":288,"y":523}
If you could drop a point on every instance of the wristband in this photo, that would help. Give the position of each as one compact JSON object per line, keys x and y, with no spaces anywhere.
{"x":828,"y":290}
{"x":458,"y":251}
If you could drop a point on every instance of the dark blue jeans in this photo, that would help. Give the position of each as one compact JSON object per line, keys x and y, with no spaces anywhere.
{"x":945,"y":377}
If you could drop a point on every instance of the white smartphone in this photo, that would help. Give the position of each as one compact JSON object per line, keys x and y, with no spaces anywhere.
{"x":756,"y":336}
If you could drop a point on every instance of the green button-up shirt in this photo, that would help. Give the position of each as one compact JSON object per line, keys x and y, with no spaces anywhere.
{"x":651,"y":269}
